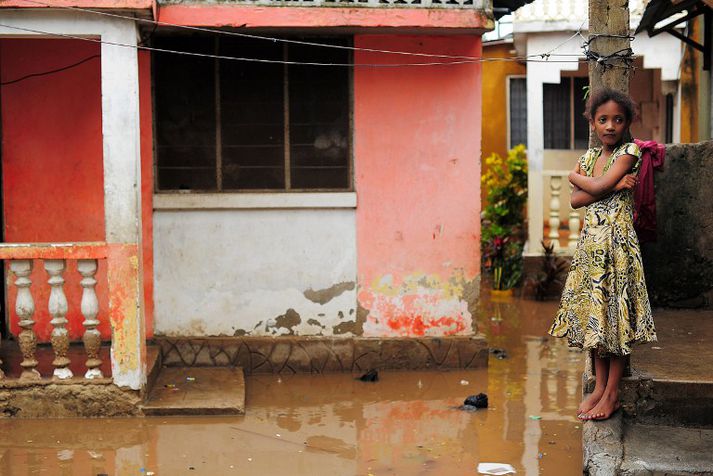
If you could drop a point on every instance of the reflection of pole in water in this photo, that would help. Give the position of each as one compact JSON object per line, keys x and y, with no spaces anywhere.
{"x":533,"y":406}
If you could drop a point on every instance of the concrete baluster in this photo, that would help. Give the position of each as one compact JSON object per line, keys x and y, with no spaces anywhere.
{"x":574,"y":223}
{"x":554,"y":220}
{"x":25,"y":309}
{"x":90,"y":308}
{"x":58,"y":311}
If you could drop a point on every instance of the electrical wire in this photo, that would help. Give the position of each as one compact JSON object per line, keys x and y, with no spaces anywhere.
{"x":269,"y":61}
{"x":44,"y":73}
{"x":287,"y":40}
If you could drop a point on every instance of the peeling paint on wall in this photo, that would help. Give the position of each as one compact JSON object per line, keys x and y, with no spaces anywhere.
{"x":419,"y":305}
{"x":260,"y":273}
{"x":323,"y":296}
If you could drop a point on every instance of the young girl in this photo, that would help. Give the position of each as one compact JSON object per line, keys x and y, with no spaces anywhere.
{"x":605,"y":307}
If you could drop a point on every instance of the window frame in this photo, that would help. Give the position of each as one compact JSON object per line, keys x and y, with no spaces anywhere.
{"x":508,"y":121}
{"x":572,"y":139}
{"x":350,"y":189}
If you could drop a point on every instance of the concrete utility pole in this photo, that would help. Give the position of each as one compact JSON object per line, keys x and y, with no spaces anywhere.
{"x":608,"y":17}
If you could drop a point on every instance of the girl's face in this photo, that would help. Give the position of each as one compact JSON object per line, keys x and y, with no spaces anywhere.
{"x":610,"y":123}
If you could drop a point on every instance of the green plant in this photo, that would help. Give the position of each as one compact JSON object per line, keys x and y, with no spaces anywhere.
{"x":503,"y":216}
{"x":552,"y":275}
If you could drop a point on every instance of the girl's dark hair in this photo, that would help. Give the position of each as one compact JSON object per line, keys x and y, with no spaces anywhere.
{"x":605,"y":95}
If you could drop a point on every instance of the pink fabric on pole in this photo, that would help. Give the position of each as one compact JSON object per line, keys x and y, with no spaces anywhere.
{"x":653,"y":155}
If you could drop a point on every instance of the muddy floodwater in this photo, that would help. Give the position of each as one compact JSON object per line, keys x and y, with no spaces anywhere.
{"x":407,"y":423}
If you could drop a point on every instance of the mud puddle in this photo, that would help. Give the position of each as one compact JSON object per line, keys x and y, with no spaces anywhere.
{"x":407,"y":423}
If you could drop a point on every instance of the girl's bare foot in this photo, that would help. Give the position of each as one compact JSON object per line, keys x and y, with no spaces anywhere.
{"x":589,"y":403}
{"x":605,"y":408}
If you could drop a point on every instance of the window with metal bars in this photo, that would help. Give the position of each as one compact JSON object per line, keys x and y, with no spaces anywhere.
{"x":563,"y":107}
{"x":226,"y":125}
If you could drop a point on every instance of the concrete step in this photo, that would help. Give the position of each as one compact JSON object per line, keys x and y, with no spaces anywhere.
{"x":197,"y":391}
{"x":670,"y":450}
{"x":667,"y":402}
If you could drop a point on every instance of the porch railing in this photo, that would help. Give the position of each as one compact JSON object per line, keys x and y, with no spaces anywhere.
{"x":555,"y":180}
{"x":22,"y":258}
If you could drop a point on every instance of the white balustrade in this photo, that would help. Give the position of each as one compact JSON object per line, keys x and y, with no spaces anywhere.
{"x":25,"y":308}
{"x":90,"y":309}
{"x":554,"y":219}
{"x":21,"y":258}
{"x":574,"y":224}
{"x":553,"y":182}
{"x":58,"y":310}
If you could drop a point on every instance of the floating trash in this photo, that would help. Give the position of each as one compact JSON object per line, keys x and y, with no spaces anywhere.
{"x":371,"y":376}
{"x":475,"y":401}
{"x":496,"y":469}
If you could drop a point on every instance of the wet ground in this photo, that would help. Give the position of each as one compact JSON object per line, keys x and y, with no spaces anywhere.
{"x":407,"y":423}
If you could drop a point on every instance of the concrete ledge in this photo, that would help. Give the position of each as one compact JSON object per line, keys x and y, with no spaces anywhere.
{"x":296,"y":354}
{"x":68,"y":400}
{"x":602,"y":446}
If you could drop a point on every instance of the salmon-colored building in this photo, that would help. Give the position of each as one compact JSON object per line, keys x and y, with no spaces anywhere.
{"x":181,"y":170}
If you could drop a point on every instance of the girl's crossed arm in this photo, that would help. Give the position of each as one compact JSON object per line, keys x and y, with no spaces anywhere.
{"x":588,"y":190}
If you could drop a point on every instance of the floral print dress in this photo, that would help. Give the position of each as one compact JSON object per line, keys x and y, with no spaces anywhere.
{"x":604,"y":304}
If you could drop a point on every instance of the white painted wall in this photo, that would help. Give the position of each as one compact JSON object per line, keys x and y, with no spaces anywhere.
{"x":222,"y":272}
{"x":663,"y":51}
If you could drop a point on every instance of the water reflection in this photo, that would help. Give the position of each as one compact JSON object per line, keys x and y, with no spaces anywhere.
{"x":407,"y":423}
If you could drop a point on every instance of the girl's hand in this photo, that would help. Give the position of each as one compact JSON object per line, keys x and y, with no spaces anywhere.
{"x":627,"y":182}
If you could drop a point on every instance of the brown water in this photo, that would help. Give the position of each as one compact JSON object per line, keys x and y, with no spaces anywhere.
{"x":405,"y":424}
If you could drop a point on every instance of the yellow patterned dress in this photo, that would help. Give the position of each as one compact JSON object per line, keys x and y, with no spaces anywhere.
{"x":604,"y":304}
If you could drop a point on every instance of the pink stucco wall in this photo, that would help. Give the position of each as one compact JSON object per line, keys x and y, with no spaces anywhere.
{"x":417,"y":173}
{"x":260,"y":16}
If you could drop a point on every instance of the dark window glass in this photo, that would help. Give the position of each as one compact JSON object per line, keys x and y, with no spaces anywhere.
{"x":279,"y":127}
{"x":669,"y":119}
{"x":252,"y":115}
{"x":556,"y":112}
{"x":185,"y":115}
{"x":518,"y":111}
{"x":581,"y":125}
{"x":319,"y":118}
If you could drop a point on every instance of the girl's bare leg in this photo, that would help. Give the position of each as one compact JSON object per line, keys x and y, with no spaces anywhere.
{"x":601,"y":374}
{"x":609,"y":402}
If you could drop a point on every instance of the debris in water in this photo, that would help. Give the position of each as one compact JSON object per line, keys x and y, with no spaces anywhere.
{"x":190,"y":379}
{"x":95,"y":455}
{"x":476,"y":401}
{"x":371,"y":376}
{"x":498,"y":353}
{"x":464,"y":382}
{"x":419,"y":384}
{"x":535,"y":417}
{"x":495,"y":468}
{"x":65,"y":455}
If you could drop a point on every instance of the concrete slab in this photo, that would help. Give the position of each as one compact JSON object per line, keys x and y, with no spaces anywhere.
{"x":658,"y":449}
{"x":197,"y":391}
{"x":683,"y":352}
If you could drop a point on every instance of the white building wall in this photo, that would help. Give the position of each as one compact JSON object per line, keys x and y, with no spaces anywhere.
{"x":269,"y":271}
{"x":663,"y":51}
